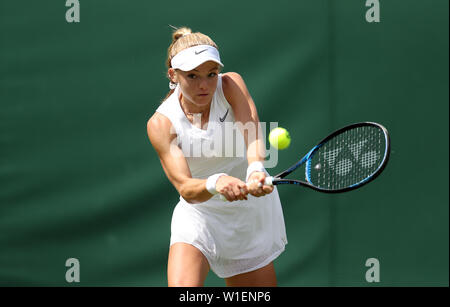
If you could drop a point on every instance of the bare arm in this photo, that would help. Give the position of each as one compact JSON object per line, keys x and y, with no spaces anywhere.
{"x":245,"y":112}
{"x":177,"y":170}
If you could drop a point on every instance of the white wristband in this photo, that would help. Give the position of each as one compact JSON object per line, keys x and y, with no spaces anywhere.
{"x":211,"y":183}
{"x":256,"y":166}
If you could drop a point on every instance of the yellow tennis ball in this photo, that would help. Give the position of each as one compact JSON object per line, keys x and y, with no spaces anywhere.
{"x":279,"y":138}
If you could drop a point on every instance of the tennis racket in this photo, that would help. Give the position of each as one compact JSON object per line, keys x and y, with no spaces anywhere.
{"x":345,"y":160}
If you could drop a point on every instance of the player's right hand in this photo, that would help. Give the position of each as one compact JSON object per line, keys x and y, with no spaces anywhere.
{"x":232,"y":188}
{"x":256,"y":186}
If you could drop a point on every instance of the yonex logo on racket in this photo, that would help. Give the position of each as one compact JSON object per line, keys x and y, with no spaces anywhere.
{"x":335,"y":155}
{"x":346,"y":159}
{"x":347,"y":156}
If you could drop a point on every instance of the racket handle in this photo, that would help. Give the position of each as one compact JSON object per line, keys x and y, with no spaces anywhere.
{"x":267,"y":181}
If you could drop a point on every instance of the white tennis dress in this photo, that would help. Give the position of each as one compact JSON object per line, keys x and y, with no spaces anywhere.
{"x":235,"y":237}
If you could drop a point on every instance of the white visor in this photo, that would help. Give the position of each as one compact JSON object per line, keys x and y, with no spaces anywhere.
{"x":190,"y":58}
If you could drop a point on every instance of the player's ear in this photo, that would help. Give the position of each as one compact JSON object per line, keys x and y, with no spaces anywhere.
{"x":172,"y":74}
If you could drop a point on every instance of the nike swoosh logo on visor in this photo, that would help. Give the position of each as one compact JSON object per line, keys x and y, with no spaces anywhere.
{"x":198,"y":52}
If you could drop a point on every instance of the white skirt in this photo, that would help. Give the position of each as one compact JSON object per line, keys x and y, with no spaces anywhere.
{"x":235,"y":237}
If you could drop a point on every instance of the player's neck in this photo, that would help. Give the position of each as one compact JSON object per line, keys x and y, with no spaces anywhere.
{"x":197,"y":115}
{"x":190,"y":108}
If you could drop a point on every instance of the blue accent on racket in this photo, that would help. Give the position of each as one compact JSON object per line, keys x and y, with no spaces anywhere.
{"x":345,"y":160}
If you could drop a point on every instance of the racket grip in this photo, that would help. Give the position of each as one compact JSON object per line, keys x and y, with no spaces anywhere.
{"x":267,"y":181}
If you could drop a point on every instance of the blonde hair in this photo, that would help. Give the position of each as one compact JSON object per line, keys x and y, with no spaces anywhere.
{"x":183,"y":38}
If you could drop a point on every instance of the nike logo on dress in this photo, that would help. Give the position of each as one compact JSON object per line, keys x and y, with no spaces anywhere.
{"x":225,"y":116}
{"x":198,"y":52}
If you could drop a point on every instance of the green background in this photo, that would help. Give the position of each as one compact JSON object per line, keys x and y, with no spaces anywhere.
{"x":79,"y":178}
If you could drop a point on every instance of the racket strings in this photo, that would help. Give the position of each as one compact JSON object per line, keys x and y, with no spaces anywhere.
{"x":348,"y":158}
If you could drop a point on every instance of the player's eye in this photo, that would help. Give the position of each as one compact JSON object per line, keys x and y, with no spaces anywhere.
{"x":192,"y":76}
{"x":212,"y":75}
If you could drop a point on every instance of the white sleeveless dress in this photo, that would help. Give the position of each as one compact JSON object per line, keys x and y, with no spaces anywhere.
{"x":235,"y":237}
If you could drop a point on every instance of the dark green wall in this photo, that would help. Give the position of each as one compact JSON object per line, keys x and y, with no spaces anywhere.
{"x":79,"y":178}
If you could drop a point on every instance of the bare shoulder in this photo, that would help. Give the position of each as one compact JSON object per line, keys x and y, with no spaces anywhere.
{"x":159,"y":129}
{"x":233,"y":86}
{"x":158,"y":122}
{"x":232,"y":81}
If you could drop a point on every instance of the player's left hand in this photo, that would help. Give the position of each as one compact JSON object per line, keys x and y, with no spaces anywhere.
{"x":255,"y":184}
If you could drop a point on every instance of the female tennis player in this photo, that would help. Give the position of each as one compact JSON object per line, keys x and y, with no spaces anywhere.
{"x":238,"y":239}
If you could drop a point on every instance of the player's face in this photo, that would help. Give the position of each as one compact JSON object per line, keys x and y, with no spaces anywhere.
{"x":198,"y":85}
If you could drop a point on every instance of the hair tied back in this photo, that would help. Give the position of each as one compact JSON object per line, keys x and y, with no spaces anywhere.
{"x":179,"y":32}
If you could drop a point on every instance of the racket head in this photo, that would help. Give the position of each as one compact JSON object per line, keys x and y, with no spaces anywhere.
{"x":348,"y":158}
